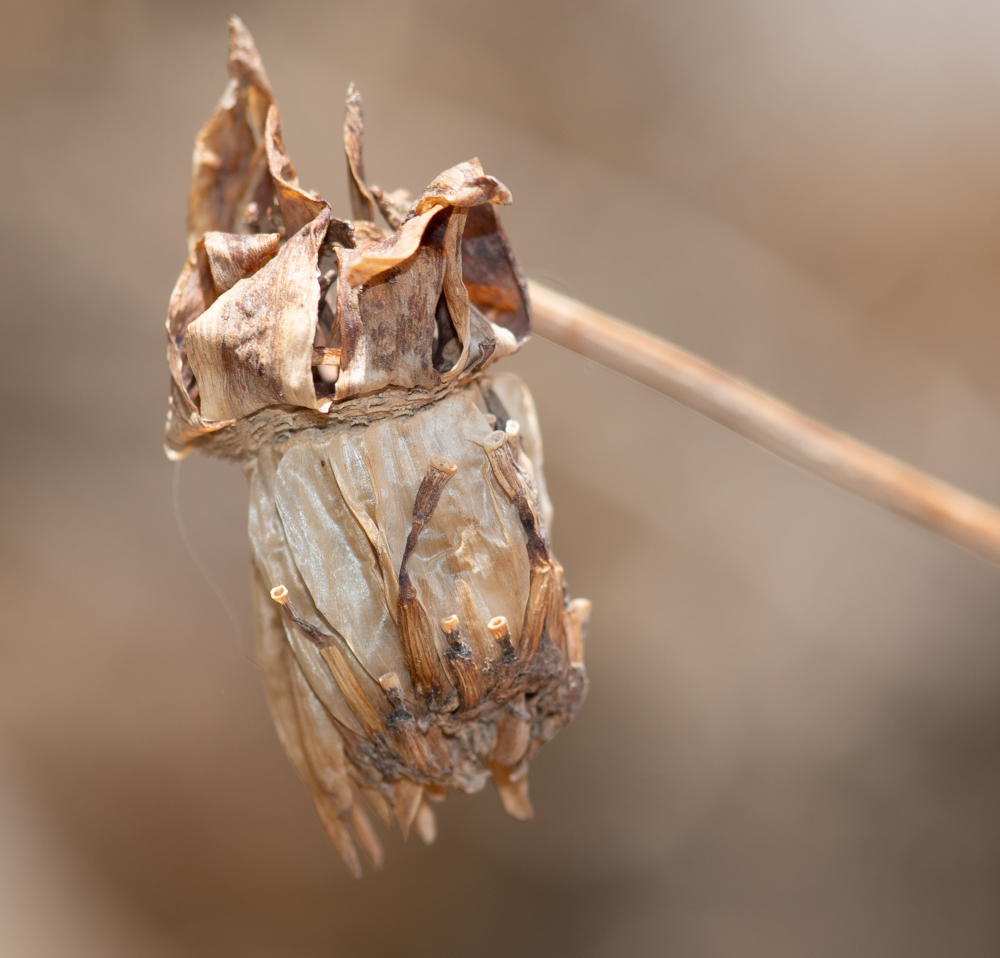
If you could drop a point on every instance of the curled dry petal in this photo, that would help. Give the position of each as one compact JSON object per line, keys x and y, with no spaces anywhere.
{"x":393,"y":206}
{"x":362,"y":206}
{"x":390,"y":252}
{"x":229,"y":161}
{"x":244,"y":61}
{"x":491,"y":272}
{"x":297,"y":206}
{"x":463,"y":185}
{"x":253,"y":347}
{"x":232,"y":256}
{"x":192,"y":295}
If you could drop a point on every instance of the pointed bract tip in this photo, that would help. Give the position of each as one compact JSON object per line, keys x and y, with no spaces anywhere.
{"x":240,"y":38}
{"x":425,"y":823}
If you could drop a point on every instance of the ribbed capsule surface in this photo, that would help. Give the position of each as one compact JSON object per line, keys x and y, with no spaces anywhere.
{"x":415,"y":633}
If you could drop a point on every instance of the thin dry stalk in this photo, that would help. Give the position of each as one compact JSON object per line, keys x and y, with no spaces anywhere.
{"x":767,"y":421}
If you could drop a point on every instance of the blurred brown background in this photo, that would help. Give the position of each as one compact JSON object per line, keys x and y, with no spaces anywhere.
{"x":792,"y":741}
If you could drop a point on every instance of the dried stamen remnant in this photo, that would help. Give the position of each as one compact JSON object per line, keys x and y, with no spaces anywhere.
{"x":409,"y":743}
{"x":461,"y":664}
{"x":543,"y":584}
{"x":340,"y":661}
{"x":421,"y":653}
{"x":360,"y":541}
{"x":512,"y":482}
{"x":500,"y":632}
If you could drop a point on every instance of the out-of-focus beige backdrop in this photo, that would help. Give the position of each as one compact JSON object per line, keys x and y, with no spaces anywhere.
{"x":792,"y":741}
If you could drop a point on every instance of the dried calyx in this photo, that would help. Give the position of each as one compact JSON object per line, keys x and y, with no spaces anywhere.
{"x":414,"y":630}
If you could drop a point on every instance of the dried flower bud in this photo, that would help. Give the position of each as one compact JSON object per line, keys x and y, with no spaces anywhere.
{"x":395,"y":480}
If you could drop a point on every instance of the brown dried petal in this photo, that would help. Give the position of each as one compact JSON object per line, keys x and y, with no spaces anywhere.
{"x":244,"y":60}
{"x":297,"y":206}
{"x":368,"y":263}
{"x":193,"y":293}
{"x":253,"y":347}
{"x":228,"y":158}
{"x":393,"y":206}
{"x":491,"y":272}
{"x":362,"y":206}
{"x":387,"y":327}
{"x":454,"y":290}
{"x":232,"y":256}
{"x":463,"y":185}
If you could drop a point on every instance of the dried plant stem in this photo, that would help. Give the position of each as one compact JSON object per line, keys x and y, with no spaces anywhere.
{"x":761,"y":418}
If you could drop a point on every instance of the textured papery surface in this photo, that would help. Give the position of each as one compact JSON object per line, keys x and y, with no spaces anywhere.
{"x":232,"y":256}
{"x":332,"y":514}
{"x":346,"y":500}
{"x":253,"y":346}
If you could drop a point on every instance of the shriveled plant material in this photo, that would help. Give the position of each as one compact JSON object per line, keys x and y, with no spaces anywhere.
{"x":414,"y":630}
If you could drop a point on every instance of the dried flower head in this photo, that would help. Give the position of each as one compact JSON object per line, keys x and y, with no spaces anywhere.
{"x":414,"y":630}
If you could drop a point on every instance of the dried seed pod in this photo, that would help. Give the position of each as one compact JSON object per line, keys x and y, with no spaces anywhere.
{"x":414,"y":631}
